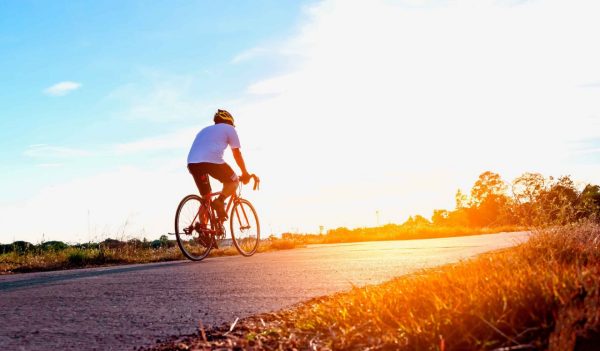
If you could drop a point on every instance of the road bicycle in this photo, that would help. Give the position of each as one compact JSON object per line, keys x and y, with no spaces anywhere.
{"x":198,"y":228}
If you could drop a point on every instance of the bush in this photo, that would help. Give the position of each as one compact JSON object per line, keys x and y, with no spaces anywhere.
{"x":77,"y":258}
{"x":53,"y":246}
{"x":282,"y":244}
{"x":22,"y":247}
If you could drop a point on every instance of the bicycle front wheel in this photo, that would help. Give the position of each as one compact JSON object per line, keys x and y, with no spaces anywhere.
{"x":245,"y":228}
{"x":192,"y":227}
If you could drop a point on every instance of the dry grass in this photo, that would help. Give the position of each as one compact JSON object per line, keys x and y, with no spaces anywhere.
{"x":544,"y":294}
{"x":73,"y":257}
{"x":410,"y":232}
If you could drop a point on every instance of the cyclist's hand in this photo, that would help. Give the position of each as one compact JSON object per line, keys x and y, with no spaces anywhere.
{"x":245,"y":178}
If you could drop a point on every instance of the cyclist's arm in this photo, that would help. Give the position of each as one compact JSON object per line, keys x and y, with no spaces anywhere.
{"x":239,"y":159}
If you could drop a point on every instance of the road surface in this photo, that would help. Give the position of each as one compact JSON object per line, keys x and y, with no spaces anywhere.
{"x":121,"y":307}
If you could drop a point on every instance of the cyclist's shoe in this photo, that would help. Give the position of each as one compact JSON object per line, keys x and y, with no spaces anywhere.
{"x":199,"y":227}
{"x":205,"y":240}
{"x":219,"y":206}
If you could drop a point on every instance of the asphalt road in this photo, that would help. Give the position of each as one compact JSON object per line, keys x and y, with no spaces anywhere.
{"x":121,"y":307}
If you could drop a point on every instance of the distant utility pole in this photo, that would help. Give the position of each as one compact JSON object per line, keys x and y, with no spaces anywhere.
{"x":321,"y":229}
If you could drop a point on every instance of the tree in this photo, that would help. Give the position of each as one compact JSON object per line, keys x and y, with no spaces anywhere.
{"x":461,"y":200}
{"x":440,"y":217}
{"x":527,"y":187}
{"x":589,"y":202}
{"x":417,"y":220}
{"x":489,"y":203}
{"x":526,"y":190}
{"x":488,"y":183}
{"x":558,"y":204}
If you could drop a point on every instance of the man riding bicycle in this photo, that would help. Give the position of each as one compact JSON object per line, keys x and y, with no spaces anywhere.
{"x":206,"y":158}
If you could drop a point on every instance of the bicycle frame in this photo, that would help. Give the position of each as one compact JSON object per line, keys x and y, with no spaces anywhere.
{"x":211,"y":230}
{"x":207,"y":201}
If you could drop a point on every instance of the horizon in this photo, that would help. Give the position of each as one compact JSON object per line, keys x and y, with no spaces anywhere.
{"x":344,"y":108}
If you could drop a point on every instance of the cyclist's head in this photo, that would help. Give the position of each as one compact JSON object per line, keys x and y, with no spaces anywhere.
{"x":222,"y":116}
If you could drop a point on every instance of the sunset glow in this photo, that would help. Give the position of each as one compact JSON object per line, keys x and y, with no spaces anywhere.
{"x":346,"y":109}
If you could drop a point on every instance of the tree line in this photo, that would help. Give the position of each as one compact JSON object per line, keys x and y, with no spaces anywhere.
{"x":492,"y":205}
{"x":529,"y":200}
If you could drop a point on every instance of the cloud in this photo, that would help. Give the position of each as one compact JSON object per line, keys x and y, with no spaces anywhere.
{"x":119,"y":203}
{"x":161,"y":98}
{"x":44,"y":151}
{"x":50,"y":165}
{"x":249,"y":55}
{"x":180,"y":139}
{"x":62,"y":88}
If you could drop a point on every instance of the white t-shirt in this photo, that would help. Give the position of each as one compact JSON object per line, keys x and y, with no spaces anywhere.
{"x":211,"y":142}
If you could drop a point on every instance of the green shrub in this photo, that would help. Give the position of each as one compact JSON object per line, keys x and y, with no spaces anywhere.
{"x":22,"y":247}
{"x":77,"y":258}
{"x":53,"y":246}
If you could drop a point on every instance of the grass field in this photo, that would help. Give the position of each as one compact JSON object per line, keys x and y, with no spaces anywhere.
{"x":544,"y":294}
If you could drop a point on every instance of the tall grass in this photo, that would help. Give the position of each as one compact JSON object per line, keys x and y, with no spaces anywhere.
{"x":539,"y":294}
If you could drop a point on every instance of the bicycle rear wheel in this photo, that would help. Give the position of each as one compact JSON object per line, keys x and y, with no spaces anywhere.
{"x":191,"y":228}
{"x":245,"y":228}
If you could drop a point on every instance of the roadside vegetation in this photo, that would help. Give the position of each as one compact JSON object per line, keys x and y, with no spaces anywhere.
{"x":492,"y":205}
{"x":21,"y":257}
{"x":543,"y":294}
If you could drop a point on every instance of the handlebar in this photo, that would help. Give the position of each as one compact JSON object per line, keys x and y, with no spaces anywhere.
{"x":256,"y":181}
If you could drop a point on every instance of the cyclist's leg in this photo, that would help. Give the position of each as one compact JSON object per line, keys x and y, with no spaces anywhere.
{"x":226,"y":175}
{"x":200,"y":173}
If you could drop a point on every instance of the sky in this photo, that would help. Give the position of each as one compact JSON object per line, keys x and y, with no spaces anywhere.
{"x":343,"y":108}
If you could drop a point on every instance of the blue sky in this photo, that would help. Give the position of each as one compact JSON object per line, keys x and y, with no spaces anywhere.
{"x":344,"y":108}
{"x":112,"y":45}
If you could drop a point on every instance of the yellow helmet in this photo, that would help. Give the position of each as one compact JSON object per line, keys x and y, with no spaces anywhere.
{"x":224,"y":117}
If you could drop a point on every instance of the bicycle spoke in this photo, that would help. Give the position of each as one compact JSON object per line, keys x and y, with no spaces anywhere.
{"x":245,"y":228}
{"x":191,"y":228}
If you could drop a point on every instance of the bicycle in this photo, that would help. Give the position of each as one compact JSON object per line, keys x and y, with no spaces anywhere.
{"x":198,"y":229}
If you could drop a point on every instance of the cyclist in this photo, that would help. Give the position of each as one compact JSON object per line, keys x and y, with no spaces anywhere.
{"x":206,"y":158}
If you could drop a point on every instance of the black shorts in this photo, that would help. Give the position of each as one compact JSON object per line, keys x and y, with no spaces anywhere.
{"x":220,"y":171}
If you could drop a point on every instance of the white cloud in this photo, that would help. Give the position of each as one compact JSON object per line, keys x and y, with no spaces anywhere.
{"x":44,"y":151}
{"x":62,"y":88}
{"x":180,"y":139}
{"x":50,"y":165}
{"x":96,"y":207}
{"x":162,"y":98}
{"x":249,"y":54}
